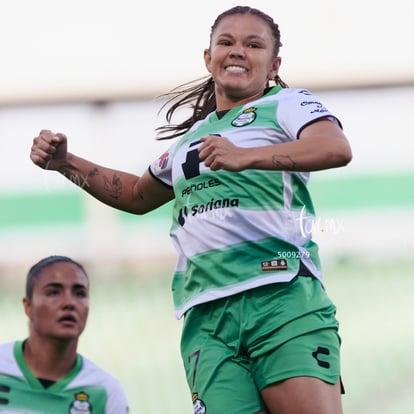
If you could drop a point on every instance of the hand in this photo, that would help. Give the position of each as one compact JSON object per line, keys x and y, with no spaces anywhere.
{"x":219,"y":153}
{"x":49,"y":150}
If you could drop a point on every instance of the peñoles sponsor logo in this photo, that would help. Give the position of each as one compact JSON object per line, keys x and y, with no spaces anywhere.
{"x":200,"y":186}
{"x":211,"y":209}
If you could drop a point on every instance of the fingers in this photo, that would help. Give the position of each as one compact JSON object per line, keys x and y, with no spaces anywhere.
{"x":208,"y":145}
{"x":214,"y":150}
{"x":50,"y":137}
{"x":61,"y":136}
{"x":219,"y":153}
{"x":45,"y":146}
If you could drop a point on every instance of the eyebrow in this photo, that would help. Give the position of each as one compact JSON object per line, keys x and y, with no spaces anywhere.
{"x":60,"y":285}
{"x":249,"y":37}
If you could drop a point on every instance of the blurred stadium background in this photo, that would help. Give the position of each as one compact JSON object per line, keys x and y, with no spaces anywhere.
{"x":93,"y":69}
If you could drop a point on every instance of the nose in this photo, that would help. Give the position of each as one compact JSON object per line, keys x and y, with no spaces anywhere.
{"x":68,"y":306}
{"x":237,"y":51}
{"x":68,"y":301}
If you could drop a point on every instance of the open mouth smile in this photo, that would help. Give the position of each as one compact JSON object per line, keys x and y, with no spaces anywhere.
{"x":235,"y":68}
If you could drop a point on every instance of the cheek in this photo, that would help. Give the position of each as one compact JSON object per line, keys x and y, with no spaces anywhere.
{"x":40,"y":317}
{"x":216,"y":59}
{"x":84,"y":313}
{"x":37,"y":310}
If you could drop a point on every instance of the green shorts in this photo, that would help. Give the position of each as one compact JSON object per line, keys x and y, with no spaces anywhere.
{"x":232,"y":348}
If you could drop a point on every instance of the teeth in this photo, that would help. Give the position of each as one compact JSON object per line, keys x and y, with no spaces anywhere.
{"x":236,"y":69}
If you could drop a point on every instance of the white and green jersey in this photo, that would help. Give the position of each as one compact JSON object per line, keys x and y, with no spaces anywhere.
{"x":238,"y":230}
{"x":87,"y":389}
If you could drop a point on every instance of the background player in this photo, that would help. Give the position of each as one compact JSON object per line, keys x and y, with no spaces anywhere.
{"x":44,"y":373}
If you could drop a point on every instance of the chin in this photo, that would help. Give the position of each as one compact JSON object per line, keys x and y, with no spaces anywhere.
{"x":67,"y":336}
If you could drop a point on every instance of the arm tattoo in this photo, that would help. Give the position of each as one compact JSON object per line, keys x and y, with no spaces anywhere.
{"x":114,"y":186}
{"x":94,"y":172}
{"x":284,"y":162}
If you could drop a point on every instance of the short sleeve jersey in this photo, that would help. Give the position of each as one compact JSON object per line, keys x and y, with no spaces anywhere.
{"x":234,"y":231}
{"x":87,"y":389}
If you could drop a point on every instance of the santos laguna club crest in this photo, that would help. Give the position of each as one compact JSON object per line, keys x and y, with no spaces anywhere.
{"x":81,"y":404}
{"x":247,"y":117}
{"x":198,"y":405}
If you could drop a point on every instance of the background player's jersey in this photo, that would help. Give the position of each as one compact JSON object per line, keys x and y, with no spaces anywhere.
{"x":87,"y":389}
{"x":238,"y":230}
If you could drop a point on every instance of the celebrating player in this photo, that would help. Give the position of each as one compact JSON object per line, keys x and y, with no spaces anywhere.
{"x":260,"y":333}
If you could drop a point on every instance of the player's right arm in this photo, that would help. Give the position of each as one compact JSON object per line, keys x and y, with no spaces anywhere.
{"x":118,"y":189}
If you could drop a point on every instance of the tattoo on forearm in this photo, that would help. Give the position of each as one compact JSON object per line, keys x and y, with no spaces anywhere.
{"x":114,"y":186}
{"x":93,"y":173}
{"x":284,"y":162}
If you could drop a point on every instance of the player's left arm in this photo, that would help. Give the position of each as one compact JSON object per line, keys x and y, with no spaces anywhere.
{"x":320,"y":145}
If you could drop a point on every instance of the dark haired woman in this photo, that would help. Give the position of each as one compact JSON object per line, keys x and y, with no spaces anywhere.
{"x":44,"y":373}
{"x":260,"y":333}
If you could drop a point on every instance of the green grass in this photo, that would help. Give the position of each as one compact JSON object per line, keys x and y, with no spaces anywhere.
{"x":374,"y":303}
{"x":132,"y":332}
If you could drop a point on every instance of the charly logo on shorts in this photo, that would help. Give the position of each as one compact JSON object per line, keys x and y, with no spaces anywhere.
{"x":198,"y":405}
{"x":247,"y":117}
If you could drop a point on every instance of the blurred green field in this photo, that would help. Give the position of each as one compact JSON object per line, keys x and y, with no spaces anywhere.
{"x":133,"y":333}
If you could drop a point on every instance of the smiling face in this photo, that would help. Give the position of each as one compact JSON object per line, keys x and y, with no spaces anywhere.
{"x":58,"y":308}
{"x":241,"y":59}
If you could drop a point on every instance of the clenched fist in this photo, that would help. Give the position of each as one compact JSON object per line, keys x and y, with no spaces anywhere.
{"x":49,"y":150}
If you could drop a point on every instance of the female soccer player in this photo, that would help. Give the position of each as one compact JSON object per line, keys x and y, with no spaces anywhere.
{"x":260,"y":333}
{"x":44,"y":373}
